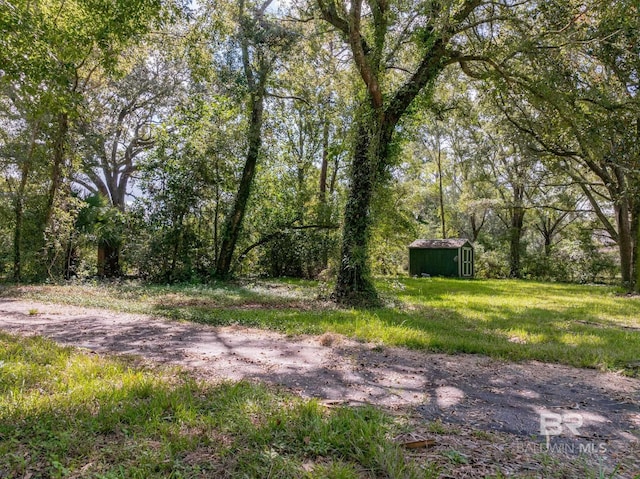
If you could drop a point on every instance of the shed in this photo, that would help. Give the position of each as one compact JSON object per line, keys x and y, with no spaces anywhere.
{"x":447,"y":257}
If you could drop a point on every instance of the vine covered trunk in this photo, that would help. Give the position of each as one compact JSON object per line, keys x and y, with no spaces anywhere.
{"x":368,"y":28}
{"x":353,"y":275}
{"x":370,"y":156}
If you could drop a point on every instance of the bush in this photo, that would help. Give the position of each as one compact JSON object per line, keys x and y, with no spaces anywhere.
{"x":490,"y":263}
{"x":579,"y":260}
{"x":298,"y":253}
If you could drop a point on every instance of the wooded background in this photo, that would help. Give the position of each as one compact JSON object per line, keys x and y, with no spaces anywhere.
{"x":184,"y":142}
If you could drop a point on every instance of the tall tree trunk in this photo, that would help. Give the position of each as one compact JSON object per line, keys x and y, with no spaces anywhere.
{"x":547,"y":246}
{"x":177,"y":243}
{"x":233,"y":222}
{"x":635,"y":213}
{"x":515,"y":235}
{"x":353,"y":275}
{"x":546,"y":230}
{"x":440,"y":187}
{"x":17,"y":232}
{"x":257,"y":82}
{"x":70,"y":259}
{"x":625,"y":242}
{"x":216,"y":215}
{"x":325,"y":163}
{"x":515,"y":231}
{"x":59,"y":153}
{"x":636,"y":249}
{"x":57,"y":178}
{"x":475,"y":227}
{"x":109,"y":251}
{"x":616,"y":233}
{"x":300,"y":193}
{"x":324,"y":210}
{"x":370,"y":155}
{"x":19,"y":206}
{"x":108,"y":260}
{"x":334,"y":175}
{"x":375,"y":125}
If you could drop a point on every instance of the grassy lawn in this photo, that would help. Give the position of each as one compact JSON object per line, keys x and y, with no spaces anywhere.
{"x":586,"y":326}
{"x":65,"y":413}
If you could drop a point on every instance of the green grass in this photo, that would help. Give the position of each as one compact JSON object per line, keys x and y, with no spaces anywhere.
{"x":67,"y":413}
{"x":585,"y":326}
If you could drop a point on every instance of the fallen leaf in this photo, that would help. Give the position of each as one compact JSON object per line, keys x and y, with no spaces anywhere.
{"x":419,"y":444}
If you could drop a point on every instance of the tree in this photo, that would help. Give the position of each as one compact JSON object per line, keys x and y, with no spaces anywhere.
{"x":23,"y":156}
{"x":578,"y":108}
{"x":261,"y":43}
{"x":383,"y":38}
{"x":48,"y":51}
{"x":117,"y":128}
{"x":305,"y":146}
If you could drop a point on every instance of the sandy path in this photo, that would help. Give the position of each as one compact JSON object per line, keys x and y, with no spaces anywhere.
{"x":469,"y":390}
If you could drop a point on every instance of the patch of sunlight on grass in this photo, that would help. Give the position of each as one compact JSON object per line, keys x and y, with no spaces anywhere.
{"x":478,"y":297}
{"x":581,"y":339}
{"x":520,"y":336}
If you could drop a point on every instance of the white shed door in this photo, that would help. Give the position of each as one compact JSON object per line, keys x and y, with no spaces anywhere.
{"x":467,"y":262}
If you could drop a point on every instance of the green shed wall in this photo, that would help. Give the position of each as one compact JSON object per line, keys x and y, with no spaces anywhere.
{"x":435,"y":262}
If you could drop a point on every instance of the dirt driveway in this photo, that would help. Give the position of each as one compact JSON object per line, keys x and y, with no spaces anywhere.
{"x":498,"y":404}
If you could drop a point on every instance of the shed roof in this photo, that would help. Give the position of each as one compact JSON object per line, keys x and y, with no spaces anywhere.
{"x":451,"y":243}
